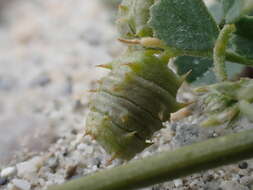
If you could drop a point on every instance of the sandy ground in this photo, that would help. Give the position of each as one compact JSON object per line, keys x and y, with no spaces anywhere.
{"x":48,"y":54}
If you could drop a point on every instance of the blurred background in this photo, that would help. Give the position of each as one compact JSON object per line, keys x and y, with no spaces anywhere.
{"x":48,"y":53}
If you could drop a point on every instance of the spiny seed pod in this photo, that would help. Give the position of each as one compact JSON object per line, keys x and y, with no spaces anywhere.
{"x":224,"y":101}
{"x":131,"y":103}
{"x":133,"y":18}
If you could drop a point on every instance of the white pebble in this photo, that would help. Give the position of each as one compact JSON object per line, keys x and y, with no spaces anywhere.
{"x":28,"y":168}
{"x":81,"y":147}
{"x":21,"y":184}
{"x":194,"y":183}
{"x":77,"y":141}
{"x":8,"y":172}
{"x":89,"y":150}
{"x":246,"y":180}
{"x":178,"y":182}
{"x":230,"y":185}
{"x":10,"y":186}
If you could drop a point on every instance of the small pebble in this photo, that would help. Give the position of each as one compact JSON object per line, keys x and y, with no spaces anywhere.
{"x":42,"y":81}
{"x":53,"y":163}
{"x":207,"y":177}
{"x":65,"y":153}
{"x":8,"y":172}
{"x":68,"y":88}
{"x":230,"y":185}
{"x":77,"y":140}
{"x":89,"y":149}
{"x":3,"y":181}
{"x":29,"y":167}
{"x":246,"y":180}
{"x":74,"y":131}
{"x":178,"y":182}
{"x":235,"y":177}
{"x":243,"y":165}
{"x":96,"y":161}
{"x":78,"y":106}
{"x":70,"y":171}
{"x":81,"y":147}
{"x":21,"y":184}
{"x":10,"y":186}
{"x":6,"y":84}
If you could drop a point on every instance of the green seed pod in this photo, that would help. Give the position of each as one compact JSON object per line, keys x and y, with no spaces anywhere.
{"x":223,"y":102}
{"x":131,"y":103}
{"x":133,"y":18}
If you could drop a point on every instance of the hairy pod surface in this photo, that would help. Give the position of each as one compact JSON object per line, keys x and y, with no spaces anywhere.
{"x":225,"y":101}
{"x":131,"y":103}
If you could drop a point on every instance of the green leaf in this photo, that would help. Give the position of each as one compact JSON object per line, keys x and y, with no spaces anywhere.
{"x":235,"y":9}
{"x":202,"y":69}
{"x":242,"y":46}
{"x":184,"y":24}
{"x":197,"y":66}
{"x":245,"y":27}
{"x":216,"y":10}
{"x":228,"y":4}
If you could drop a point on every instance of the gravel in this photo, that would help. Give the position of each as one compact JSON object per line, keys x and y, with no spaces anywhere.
{"x":47,"y":66}
{"x":21,"y":184}
{"x":7,"y":172}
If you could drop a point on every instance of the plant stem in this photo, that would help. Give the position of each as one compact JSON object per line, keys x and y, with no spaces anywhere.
{"x":168,"y":165}
{"x":230,"y":56}
{"x":219,"y":52}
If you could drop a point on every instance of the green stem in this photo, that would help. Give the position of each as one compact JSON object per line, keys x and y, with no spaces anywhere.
{"x":229,"y":56}
{"x":168,"y":165}
{"x":232,"y":57}
{"x":173,"y":52}
{"x":219,"y":53}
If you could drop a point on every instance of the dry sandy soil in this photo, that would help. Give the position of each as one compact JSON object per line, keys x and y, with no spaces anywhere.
{"x":48,"y":54}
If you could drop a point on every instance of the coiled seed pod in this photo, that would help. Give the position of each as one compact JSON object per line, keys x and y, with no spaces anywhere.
{"x":131,"y":103}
